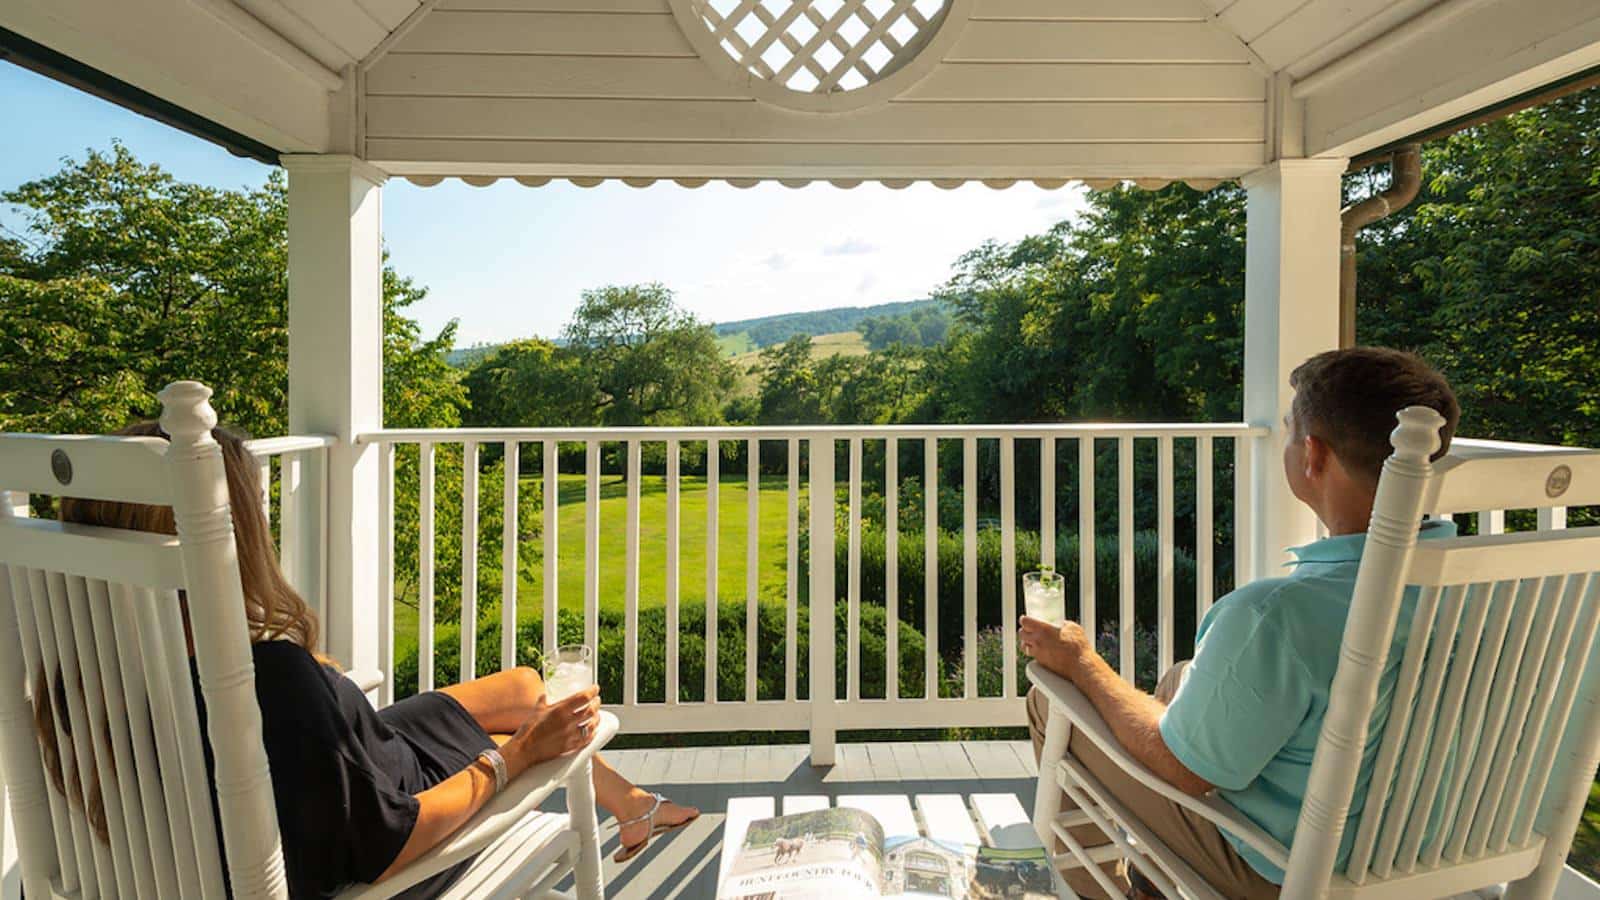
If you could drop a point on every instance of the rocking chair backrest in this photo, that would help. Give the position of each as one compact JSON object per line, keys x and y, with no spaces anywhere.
{"x":1493,"y":734}
{"x":93,"y":617}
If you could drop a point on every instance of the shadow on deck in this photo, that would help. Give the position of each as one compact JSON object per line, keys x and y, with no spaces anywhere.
{"x":684,"y":864}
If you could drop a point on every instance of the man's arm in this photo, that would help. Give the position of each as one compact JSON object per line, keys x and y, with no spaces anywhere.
{"x":1133,"y":716}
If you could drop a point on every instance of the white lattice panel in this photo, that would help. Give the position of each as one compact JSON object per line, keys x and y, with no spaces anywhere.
{"x":821,"y":46}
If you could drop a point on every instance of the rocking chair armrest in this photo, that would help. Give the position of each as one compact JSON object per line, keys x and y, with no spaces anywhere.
{"x":503,"y":811}
{"x":1066,"y":699}
{"x":368,"y":680}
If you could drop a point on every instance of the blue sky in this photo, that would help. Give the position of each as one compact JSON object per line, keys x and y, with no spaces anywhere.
{"x":510,"y":261}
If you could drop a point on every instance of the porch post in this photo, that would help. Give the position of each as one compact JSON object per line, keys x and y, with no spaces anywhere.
{"x":1291,"y":313}
{"x":336,"y":379}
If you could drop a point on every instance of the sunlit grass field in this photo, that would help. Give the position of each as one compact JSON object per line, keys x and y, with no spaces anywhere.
{"x":732,"y":497}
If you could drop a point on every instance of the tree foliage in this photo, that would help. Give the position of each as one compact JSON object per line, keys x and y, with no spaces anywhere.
{"x":125,"y":279}
{"x":1493,"y":273}
{"x":797,"y":388}
{"x":922,"y":326}
{"x":652,"y":362}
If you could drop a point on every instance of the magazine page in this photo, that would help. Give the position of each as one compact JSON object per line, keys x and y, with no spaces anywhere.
{"x":1012,"y":875}
{"x":915,"y":866}
{"x":829,"y":854}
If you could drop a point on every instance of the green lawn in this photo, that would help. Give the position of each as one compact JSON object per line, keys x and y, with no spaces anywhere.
{"x":732,"y":495}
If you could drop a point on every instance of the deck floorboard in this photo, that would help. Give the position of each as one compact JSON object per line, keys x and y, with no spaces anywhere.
{"x":685,"y":864}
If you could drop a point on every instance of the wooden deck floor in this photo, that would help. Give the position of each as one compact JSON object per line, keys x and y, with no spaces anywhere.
{"x":685,"y":864}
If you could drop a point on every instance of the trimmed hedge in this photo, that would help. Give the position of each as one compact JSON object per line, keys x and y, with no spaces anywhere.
{"x":770,"y":658}
{"x":1146,"y":556}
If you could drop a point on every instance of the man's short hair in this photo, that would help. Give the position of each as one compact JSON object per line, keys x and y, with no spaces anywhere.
{"x":1348,"y":400}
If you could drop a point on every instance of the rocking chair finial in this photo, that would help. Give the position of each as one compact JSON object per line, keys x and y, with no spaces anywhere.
{"x":186,"y":413}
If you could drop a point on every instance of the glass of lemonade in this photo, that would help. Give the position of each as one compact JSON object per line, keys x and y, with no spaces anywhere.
{"x":1044,"y":595}
{"x":568,"y":670}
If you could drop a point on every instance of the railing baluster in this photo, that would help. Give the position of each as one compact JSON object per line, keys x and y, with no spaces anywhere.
{"x":630,"y":657}
{"x":1008,"y":566}
{"x":673,"y":547}
{"x":508,"y":554}
{"x":1047,"y":501}
{"x":713,"y":497}
{"x":930,"y":564}
{"x":291,"y":526}
{"x":591,"y":545}
{"x":969,"y":566}
{"x":1126,"y":612}
{"x":264,"y":471}
{"x":1086,"y":562}
{"x":1244,"y":519}
{"x":1552,"y":518}
{"x":469,"y":562}
{"x":791,"y":627}
{"x":891,"y":568}
{"x":1492,"y":521}
{"x":1204,"y":536}
{"x":386,"y":572}
{"x":1165,"y":554}
{"x":552,"y":545}
{"x":824,"y":602}
{"x":853,"y":579}
{"x":752,"y":567}
{"x":425,"y":564}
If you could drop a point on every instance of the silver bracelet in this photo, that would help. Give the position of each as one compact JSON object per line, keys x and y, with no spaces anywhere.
{"x":498,"y":764}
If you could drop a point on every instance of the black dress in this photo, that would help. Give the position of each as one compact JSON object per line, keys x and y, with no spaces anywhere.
{"x":344,"y":774}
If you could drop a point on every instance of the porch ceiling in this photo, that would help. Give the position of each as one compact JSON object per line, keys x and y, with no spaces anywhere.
{"x":996,"y":90}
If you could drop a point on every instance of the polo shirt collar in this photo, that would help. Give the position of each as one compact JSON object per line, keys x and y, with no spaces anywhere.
{"x":1346,"y":548}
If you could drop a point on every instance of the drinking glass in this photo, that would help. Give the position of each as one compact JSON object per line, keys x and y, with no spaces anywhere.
{"x":1044,"y":595}
{"x":568,"y":670}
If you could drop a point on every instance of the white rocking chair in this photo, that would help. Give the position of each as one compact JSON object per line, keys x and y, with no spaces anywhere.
{"x":101,"y":607}
{"x":1500,"y":665}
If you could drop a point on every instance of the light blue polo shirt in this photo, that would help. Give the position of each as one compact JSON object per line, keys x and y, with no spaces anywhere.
{"x":1250,"y":710}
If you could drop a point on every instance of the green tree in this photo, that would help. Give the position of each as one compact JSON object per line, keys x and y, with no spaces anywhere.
{"x":531,"y":383}
{"x":1493,"y":273}
{"x":1131,"y":311}
{"x":125,"y":279}
{"x":652,"y":362}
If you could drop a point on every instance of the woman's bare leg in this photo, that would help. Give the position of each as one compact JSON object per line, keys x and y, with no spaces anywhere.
{"x":503,"y":701}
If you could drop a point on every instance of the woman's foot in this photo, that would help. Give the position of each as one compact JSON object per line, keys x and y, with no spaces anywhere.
{"x":644,"y":815}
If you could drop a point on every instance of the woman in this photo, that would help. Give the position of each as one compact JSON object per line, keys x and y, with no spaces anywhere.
{"x":361,"y":793}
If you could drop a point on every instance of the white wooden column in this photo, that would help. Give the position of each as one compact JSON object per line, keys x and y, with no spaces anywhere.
{"x":336,"y":377}
{"x":1291,"y":313}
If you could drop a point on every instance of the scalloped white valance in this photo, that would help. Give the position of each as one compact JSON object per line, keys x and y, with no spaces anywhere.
{"x":1050,"y":184}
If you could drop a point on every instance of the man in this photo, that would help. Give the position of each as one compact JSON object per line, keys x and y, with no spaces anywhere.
{"x":1243,"y":717}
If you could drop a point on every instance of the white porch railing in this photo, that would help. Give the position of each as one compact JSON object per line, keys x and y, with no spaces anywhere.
{"x":806,"y":699}
{"x":819,"y":710}
{"x":297,"y":466}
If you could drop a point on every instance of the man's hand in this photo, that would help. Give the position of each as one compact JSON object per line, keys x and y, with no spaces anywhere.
{"x":1061,"y":650}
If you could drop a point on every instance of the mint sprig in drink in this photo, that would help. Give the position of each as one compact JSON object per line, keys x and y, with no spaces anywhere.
{"x":1044,"y":595}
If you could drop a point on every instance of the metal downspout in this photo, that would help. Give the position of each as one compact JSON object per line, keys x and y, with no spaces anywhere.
{"x":1405,"y":181}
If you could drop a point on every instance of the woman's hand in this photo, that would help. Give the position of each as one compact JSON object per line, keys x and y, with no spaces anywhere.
{"x":553,"y":729}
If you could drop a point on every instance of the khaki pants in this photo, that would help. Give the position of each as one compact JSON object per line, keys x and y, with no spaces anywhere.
{"x":1191,"y":837}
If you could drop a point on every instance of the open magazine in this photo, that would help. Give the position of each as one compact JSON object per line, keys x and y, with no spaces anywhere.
{"x":841,"y":854}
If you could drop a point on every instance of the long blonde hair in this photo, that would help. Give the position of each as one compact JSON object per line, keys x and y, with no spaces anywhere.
{"x":273,"y":609}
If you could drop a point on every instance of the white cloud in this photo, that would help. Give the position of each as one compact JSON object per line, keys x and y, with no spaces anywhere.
{"x":850,"y":246}
{"x":777,"y":262}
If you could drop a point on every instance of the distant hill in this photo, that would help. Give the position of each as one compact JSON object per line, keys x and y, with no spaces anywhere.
{"x":769,"y":330}
{"x":748,"y":335}
{"x":748,"y":364}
